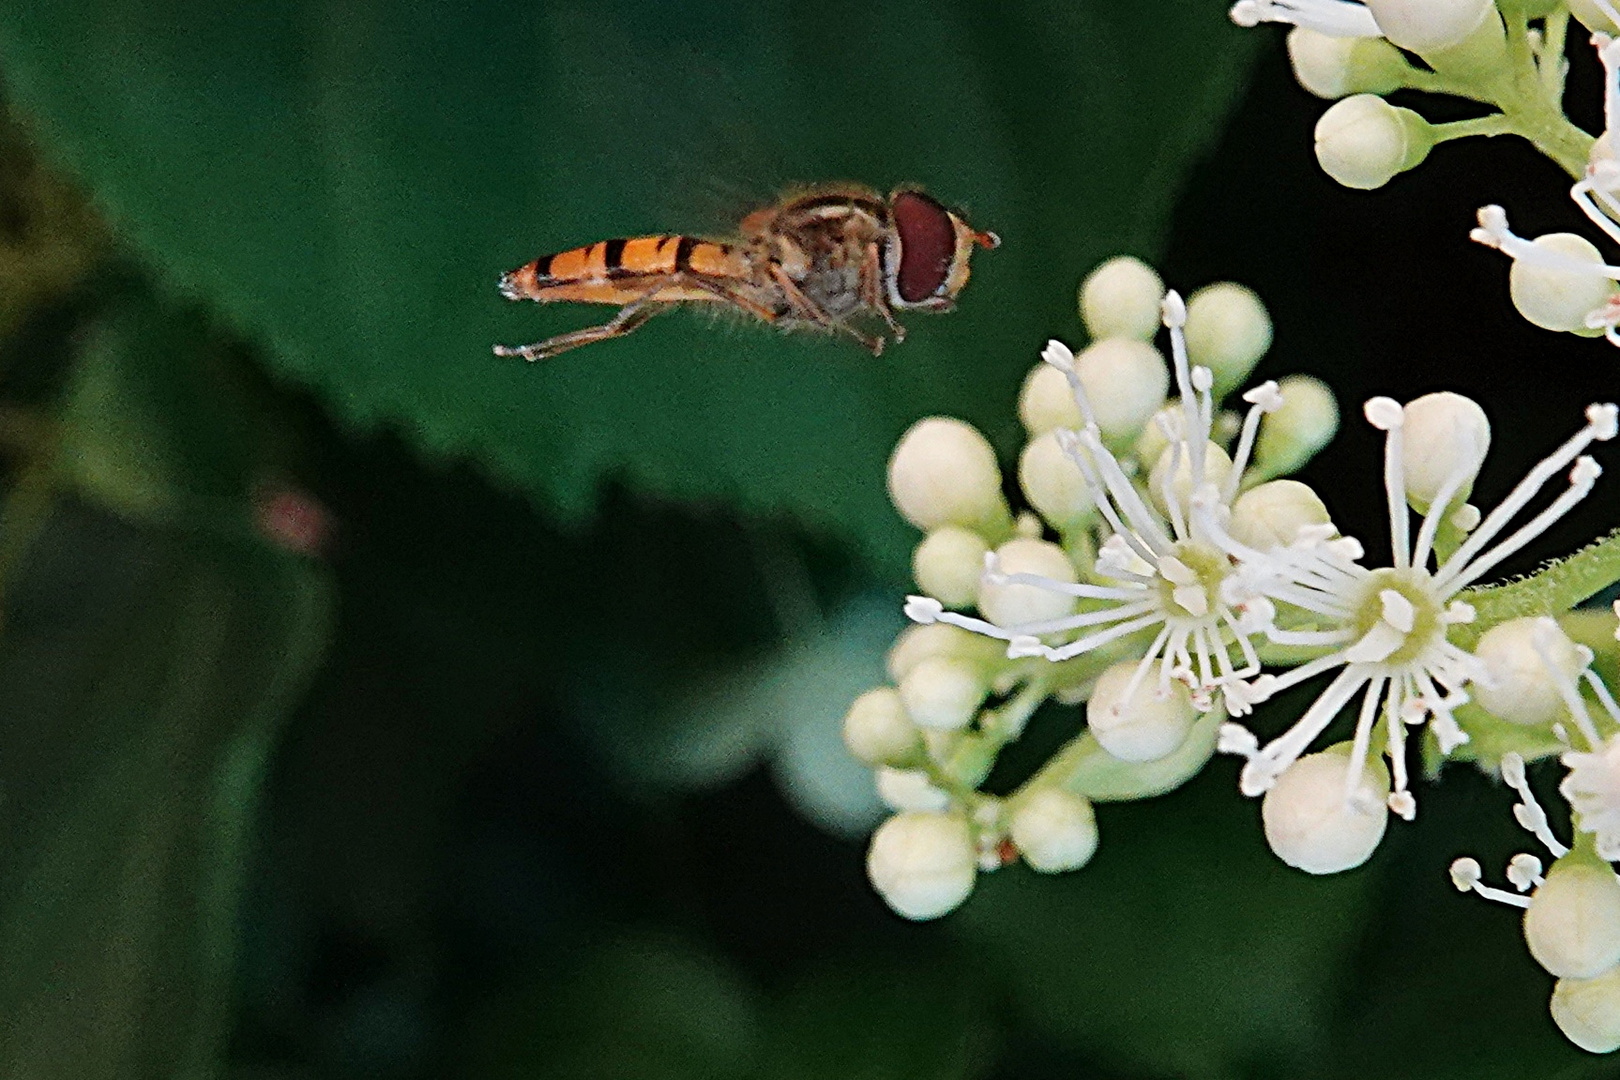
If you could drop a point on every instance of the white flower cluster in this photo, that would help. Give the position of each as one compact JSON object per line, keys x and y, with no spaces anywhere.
{"x":1351,"y":51}
{"x":1166,"y":569}
{"x":1572,"y":912}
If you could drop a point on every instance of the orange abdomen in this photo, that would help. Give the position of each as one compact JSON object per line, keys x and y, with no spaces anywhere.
{"x":622,"y":270}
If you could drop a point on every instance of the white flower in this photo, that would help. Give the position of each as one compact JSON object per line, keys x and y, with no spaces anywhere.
{"x":923,"y":864}
{"x":1120,"y":298}
{"x":1386,"y":628}
{"x":1523,"y":870}
{"x":1312,"y":826}
{"x":877,"y":729}
{"x":1364,"y":141}
{"x":1138,"y":723}
{"x":942,"y":693}
{"x":1054,"y":830}
{"x":1165,"y":573}
{"x":947,"y":564}
{"x":1333,"y":17}
{"x":943,"y":472}
{"x":1592,"y":787}
{"x":1429,"y":25}
{"x":1587,"y":1011}
{"x":1525,"y":661}
{"x":1228,"y":331}
{"x":1562,"y":276}
{"x":1335,"y":67}
{"x":1571,"y":921}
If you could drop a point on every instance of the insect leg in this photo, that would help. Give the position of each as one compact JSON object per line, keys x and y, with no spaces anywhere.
{"x":629,"y":318}
{"x":872,"y":287}
{"x":812,"y":311}
{"x":729,"y":293}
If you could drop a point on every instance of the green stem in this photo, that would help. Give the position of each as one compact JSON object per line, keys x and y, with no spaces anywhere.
{"x":1550,"y":60}
{"x":1495,"y":124}
{"x":1552,"y":590}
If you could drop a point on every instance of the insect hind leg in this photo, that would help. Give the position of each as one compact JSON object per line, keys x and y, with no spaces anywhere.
{"x":628,"y":320}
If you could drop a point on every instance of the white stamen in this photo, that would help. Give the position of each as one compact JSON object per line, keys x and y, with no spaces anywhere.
{"x":1335,"y":18}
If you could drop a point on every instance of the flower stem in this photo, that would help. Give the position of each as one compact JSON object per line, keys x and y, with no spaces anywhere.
{"x":1552,"y":590}
{"x":1495,"y":124}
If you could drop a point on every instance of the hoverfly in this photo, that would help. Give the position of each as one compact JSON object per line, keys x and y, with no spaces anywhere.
{"x":816,"y":260}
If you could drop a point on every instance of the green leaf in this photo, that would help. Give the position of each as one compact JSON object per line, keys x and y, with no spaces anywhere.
{"x":786,"y":707}
{"x":865,"y":1020}
{"x":650,"y":1007}
{"x":146,"y":678}
{"x":161,"y":419}
{"x":346,"y":181}
{"x":1185,"y":948}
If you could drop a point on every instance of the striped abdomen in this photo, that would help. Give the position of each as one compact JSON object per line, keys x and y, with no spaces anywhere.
{"x":619,"y":271}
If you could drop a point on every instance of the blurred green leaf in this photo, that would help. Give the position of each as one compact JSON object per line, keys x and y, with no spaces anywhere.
{"x":648,"y":1007}
{"x":346,"y":181}
{"x":146,"y":678}
{"x":1186,"y":948}
{"x":786,"y":707}
{"x":865,"y":1020}
{"x":162,"y":419}
{"x":49,"y":238}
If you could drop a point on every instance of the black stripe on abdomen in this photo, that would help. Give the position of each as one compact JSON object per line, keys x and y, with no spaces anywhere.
{"x":613,"y":256}
{"x":683,"y":253}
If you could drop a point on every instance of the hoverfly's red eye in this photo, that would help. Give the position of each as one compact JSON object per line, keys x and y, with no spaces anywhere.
{"x":927,"y":245}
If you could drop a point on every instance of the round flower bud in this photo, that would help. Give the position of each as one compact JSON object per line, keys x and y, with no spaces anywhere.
{"x":1555,"y":298}
{"x":909,"y":789}
{"x":1121,"y":299}
{"x":1363,"y":141}
{"x":1331,"y":67}
{"x":1573,"y":922}
{"x":1012,"y":605}
{"x":1053,"y":483}
{"x":1291,"y":436}
{"x":1519,"y":688}
{"x":1054,"y":830}
{"x":1310,"y":823}
{"x":943,"y":694}
{"x":1271,"y":514}
{"x":1152,"y":723}
{"x":1217,"y":467}
{"x":1126,"y":381}
{"x":1593,"y":17}
{"x":1228,"y":331}
{"x":1425,"y":26}
{"x":948,"y":565}
{"x":917,"y":643}
{"x":1444,"y":434}
{"x":1046,"y":402}
{"x":943,"y":472}
{"x":877,"y":729}
{"x":1587,"y":1011}
{"x":923,"y":865}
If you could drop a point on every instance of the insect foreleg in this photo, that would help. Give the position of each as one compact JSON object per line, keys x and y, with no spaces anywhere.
{"x":629,"y":318}
{"x":810,"y":310}
{"x":872,"y":287}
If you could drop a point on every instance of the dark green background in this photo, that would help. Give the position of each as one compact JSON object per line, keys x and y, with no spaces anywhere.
{"x":531,"y":770}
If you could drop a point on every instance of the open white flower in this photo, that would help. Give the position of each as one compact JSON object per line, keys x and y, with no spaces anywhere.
{"x":1163,"y":570}
{"x":1592,"y":787}
{"x":1387,"y":628}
